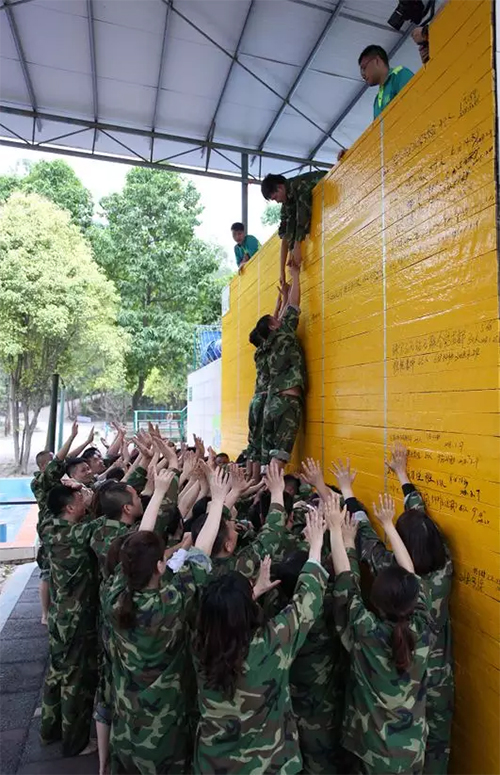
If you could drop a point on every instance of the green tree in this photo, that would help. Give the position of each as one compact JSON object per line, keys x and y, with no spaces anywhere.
{"x":165,"y":276}
{"x":57,"y":311}
{"x":56,"y":181}
{"x":271,"y":215}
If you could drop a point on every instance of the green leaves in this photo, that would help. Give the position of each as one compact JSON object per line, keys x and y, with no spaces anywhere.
{"x":56,"y":181}
{"x":165,"y":276}
{"x":57,"y":309}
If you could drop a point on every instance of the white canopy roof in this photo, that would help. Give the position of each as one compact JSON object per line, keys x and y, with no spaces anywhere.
{"x":193,"y":84}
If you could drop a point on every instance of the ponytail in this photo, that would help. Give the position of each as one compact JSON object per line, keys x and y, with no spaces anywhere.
{"x":403,"y":645}
{"x":139,"y":556}
{"x":394,"y":594}
{"x":127,"y":611}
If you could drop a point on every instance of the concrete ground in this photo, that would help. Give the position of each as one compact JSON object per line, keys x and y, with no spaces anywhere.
{"x":23,"y":661}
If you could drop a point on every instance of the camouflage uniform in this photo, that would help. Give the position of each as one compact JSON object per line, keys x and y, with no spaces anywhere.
{"x":282,"y":412}
{"x":40,"y":486}
{"x":151,"y":688}
{"x":71,"y":678}
{"x":256,"y":409}
{"x":247,"y":559}
{"x":256,"y":732}
{"x":105,"y":531}
{"x":317,"y":688}
{"x":295,"y":220}
{"x":440,"y":690}
{"x":384,"y":721}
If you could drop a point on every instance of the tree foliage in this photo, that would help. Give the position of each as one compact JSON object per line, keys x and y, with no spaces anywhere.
{"x":57,"y":310}
{"x":56,"y":181}
{"x":165,"y":276}
{"x":271,"y":215}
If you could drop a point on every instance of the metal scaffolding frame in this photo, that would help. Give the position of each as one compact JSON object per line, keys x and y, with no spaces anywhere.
{"x":206,"y":147}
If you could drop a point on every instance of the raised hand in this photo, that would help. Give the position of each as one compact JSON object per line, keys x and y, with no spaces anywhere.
{"x":398,"y":462}
{"x":345,"y":477}
{"x":263,"y":582}
{"x":273,"y":478}
{"x":220,"y":484}
{"x":334,"y":515}
{"x":312,"y":473}
{"x":349,"y":530}
{"x":74,"y":430}
{"x":163,"y":480}
{"x":314,"y":531}
{"x":385,"y":511}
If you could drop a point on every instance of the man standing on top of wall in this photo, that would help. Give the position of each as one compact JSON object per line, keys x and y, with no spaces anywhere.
{"x":376,"y":71}
{"x":295,"y":197}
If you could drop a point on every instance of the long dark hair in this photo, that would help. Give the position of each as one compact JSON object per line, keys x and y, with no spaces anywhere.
{"x":139,"y":556}
{"x":395,"y":593}
{"x":227,"y":620}
{"x":423,"y":540}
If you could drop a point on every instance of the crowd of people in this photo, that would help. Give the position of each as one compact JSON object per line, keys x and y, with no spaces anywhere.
{"x":210,"y":620}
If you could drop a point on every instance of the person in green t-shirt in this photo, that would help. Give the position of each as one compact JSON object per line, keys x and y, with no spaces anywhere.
{"x":376,"y":71}
{"x":246,"y":244}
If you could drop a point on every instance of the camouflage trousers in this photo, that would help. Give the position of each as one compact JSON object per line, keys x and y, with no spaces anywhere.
{"x":439,"y":715}
{"x":320,"y":745}
{"x":282,"y":415}
{"x":43,"y":563}
{"x":68,"y":694}
{"x":255,"y":423}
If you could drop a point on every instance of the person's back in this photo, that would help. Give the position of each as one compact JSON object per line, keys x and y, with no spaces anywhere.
{"x":150,"y":660}
{"x":384,"y":721}
{"x":317,"y":681}
{"x":242,"y":664}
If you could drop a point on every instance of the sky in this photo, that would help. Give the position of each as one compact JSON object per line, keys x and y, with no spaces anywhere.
{"x":221,"y":198}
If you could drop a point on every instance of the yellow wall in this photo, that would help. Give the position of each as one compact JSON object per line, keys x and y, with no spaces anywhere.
{"x":400,"y":329}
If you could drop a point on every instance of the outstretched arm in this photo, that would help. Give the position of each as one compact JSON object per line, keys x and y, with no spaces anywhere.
{"x":385,"y":513}
{"x":294,"y":296}
{"x":219,"y":488}
{"x":63,"y":452}
{"x":78,"y":451}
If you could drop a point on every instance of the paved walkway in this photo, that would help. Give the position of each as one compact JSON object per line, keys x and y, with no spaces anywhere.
{"x":23,"y":660}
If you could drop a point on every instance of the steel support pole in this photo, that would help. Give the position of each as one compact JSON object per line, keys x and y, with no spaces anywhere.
{"x":62,"y":399}
{"x":51,"y":429}
{"x":244,"y":189}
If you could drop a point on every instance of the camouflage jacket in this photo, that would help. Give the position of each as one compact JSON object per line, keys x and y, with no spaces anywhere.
{"x":317,"y":686}
{"x":375,"y":553}
{"x":73,"y":582}
{"x":247,"y":559}
{"x":41,"y":484}
{"x":285,"y":356}
{"x":256,"y":730}
{"x":384,"y":721}
{"x":104,"y":533}
{"x":295,"y":221}
{"x":150,"y":669}
{"x":261,"y":369}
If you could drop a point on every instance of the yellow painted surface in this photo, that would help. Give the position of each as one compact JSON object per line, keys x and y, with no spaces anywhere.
{"x":401,"y":333}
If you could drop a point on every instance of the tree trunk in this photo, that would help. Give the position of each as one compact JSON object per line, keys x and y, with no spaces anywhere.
{"x":29,"y":429}
{"x":8,"y":415}
{"x":136,"y":398}
{"x":14,"y":408}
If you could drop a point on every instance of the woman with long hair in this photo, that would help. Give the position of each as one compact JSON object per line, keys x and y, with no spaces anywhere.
{"x":384,"y":721}
{"x":147,"y":608}
{"x":432,"y":561}
{"x":243,"y":663}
